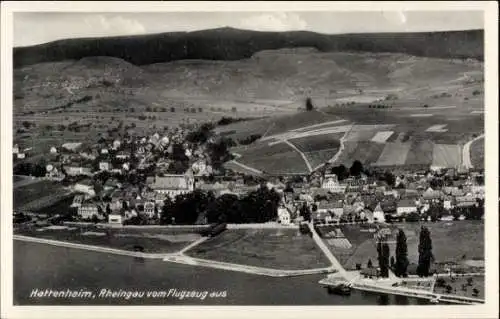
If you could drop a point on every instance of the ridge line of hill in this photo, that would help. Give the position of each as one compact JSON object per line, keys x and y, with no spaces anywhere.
{"x":235,"y":44}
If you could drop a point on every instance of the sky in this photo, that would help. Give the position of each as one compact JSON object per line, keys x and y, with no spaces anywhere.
{"x":32,"y":28}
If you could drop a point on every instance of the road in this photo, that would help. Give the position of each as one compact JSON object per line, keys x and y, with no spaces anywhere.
{"x":247,"y":167}
{"x":466,"y":161}
{"x":333,"y":260}
{"x":301,"y":154}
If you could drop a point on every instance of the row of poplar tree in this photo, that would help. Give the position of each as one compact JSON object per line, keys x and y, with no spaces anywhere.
{"x":400,"y":263}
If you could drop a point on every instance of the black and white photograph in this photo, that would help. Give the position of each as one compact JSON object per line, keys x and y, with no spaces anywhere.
{"x":240,"y":156}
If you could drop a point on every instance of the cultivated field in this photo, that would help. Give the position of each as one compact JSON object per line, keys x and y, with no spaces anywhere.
{"x":151,"y":240}
{"x":393,"y":154}
{"x":38,"y":195}
{"x":320,"y":157}
{"x":317,"y":143}
{"x":277,"y":158}
{"x":446,"y":155}
{"x":280,"y":249}
{"x":420,"y":153}
{"x":366,"y":152}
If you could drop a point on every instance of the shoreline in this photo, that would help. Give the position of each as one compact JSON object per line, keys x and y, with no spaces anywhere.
{"x":180,"y":258}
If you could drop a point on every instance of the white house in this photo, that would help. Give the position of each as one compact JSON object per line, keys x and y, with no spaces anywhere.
{"x":116,"y":144}
{"x":149,"y":209}
{"x":406,"y":206}
{"x":330,"y":183}
{"x":77,"y":201}
{"x":104,"y":166}
{"x":284,"y":215}
{"x":115,"y":219}
{"x":85,"y":187}
{"x":87,"y":211}
{"x":378,"y":214}
{"x":104,"y":151}
{"x":53,"y":150}
{"x":15,"y":149}
{"x":21,"y":155}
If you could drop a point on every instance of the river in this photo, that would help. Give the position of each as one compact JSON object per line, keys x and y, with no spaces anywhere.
{"x":40,"y":266}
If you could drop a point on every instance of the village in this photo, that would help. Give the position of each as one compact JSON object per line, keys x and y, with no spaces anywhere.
{"x":128,"y":180}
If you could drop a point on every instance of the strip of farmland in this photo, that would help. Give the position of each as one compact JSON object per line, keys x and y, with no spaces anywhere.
{"x":381,"y":137}
{"x":394,"y":154}
{"x":446,"y":155}
{"x":289,"y":162}
{"x":317,"y":143}
{"x":420,"y":153}
{"x":318,"y":158}
{"x":366,"y":152}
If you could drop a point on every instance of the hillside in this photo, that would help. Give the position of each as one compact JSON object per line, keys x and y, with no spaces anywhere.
{"x":233,"y":44}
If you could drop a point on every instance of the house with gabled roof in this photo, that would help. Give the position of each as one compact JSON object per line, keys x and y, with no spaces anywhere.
{"x":172,"y":185}
{"x":378,"y":214}
{"x":406,"y":206}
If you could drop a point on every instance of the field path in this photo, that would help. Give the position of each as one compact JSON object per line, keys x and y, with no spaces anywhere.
{"x":466,"y":152}
{"x":309,"y":167}
{"x":246,"y":167}
{"x":342,"y":145}
{"x":193,"y":244}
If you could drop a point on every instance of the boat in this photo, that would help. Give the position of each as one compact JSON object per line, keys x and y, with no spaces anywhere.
{"x":341,"y":289}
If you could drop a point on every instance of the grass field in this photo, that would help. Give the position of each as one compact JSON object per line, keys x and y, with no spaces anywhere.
{"x":277,"y":158}
{"x":320,"y":157}
{"x":280,"y":249}
{"x":446,"y":155}
{"x":450,"y":242}
{"x":152,"y":240}
{"x":393,"y":154}
{"x":477,"y":153}
{"x":37,"y":195}
{"x":420,"y":153}
{"x":366,"y":152}
{"x":317,"y":143}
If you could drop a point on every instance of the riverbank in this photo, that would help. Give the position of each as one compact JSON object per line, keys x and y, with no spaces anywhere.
{"x":392,"y":286}
{"x":180,"y":258}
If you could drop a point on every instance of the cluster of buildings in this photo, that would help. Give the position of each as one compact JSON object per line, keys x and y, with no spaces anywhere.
{"x":366,"y":199}
{"x":138,"y":181}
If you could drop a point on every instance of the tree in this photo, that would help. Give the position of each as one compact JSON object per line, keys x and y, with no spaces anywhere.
{"x":389,"y":178}
{"x":425,"y":252}
{"x":370,"y":264}
{"x":309,"y":104}
{"x":341,"y":172}
{"x":356,"y":168}
{"x":401,"y":265}
{"x":383,"y":259}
